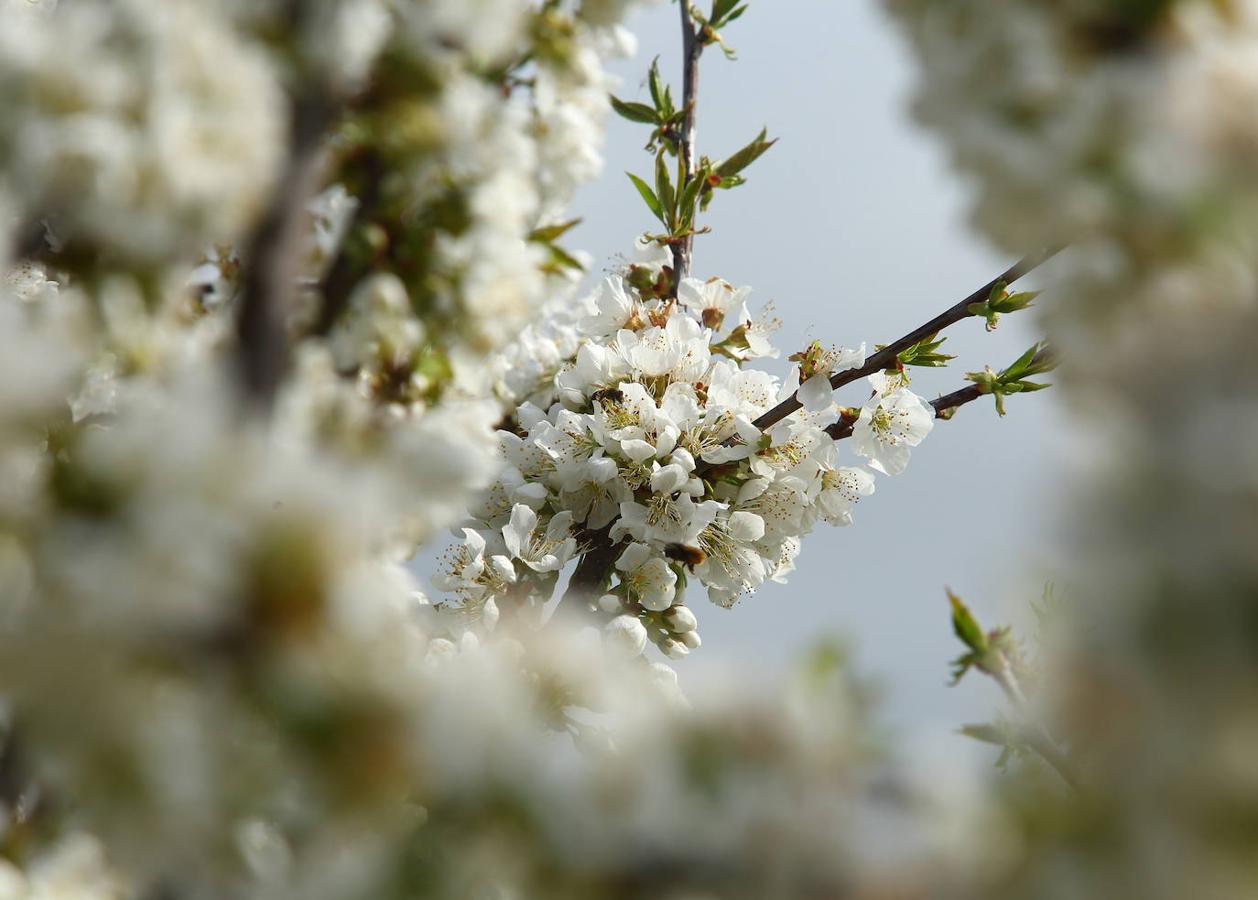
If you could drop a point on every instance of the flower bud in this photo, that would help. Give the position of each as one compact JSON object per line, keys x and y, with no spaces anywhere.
{"x":626,"y":636}
{"x":680,"y":619}
{"x":489,"y":614}
{"x":691,"y":640}
{"x":674,"y":649}
{"x":609,"y":603}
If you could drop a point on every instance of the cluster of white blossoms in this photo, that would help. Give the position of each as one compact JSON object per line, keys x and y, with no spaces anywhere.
{"x":206,"y":642}
{"x":214,"y":659}
{"x":634,"y":435}
{"x":108,"y":151}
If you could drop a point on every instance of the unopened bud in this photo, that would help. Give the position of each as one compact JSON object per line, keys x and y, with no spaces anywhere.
{"x":680,"y":619}
{"x":691,"y":640}
{"x":626,"y":636}
{"x":609,"y":603}
{"x":489,"y":614}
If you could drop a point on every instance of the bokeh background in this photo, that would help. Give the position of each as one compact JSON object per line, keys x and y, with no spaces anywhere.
{"x":855,"y":228}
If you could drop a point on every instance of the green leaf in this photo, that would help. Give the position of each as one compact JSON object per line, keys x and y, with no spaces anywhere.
{"x":548,"y":233}
{"x":562,"y":259}
{"x":664,"y":191}
{"x":657,"y":87}
{"x":966,"y":627}
{"x":1022,"y":363}
{"x":925,"y":353}
{"x":669,"y":110}
{"x":690,"y":196}
{"x":987,"y":733}
{"x":634,"y":112}
{"x":1014,"y":302}
{"x":648,"y":195}
{"x":746,"y":156}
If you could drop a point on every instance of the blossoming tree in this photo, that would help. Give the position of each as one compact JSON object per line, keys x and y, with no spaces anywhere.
{"x":286,"y":294}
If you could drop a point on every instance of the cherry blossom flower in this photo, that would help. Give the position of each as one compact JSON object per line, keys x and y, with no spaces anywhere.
{"x":893,"y":422}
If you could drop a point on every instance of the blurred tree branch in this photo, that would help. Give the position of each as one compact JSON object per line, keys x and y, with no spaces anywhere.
{"x":270,"y":256}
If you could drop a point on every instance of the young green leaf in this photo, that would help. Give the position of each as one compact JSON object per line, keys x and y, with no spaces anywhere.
{"x":656,"y":85}
{"x":648,"y":195}
{"x":965,"y":626}
{"x":561,"y":260}
{"x":664,"y":191}
{"x":746,"y":156}
{"x":690,"y":196}
{"x":925,"y":353}
{"x":634,"y":112}
{"x":548,"y":233}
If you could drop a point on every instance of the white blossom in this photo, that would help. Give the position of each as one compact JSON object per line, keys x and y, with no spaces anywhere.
{"x":626,"y":635}
{"x":648,"y":578}
{"x":544,"y":552}
{"x":893,"y":422}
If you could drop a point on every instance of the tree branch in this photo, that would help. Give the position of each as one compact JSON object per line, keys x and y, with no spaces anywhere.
{"x":591,"y":571}
{"x":887,"y":356}
{"x":692,"y":49}
{"x":270,"y":256}
{"x":343,"y":275}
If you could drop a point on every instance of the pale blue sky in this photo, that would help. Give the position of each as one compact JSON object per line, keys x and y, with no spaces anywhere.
{"x":855,"y":228}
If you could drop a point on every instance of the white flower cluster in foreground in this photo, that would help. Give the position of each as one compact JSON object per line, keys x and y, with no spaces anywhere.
{"x":109,"y":149}
{"x":206,"y":603}
{"x":634,"y":431}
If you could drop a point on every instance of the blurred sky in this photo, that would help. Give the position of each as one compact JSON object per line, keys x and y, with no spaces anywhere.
{"x":855,"y":227}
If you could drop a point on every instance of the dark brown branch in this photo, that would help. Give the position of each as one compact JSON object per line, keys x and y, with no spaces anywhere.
{"x":886,"y":358}
{"x":945,"y":406}
{"x":343,"y":275}
{"x":271,"y":255}
{"x":692,"y":49}
{"x":591,"y":572}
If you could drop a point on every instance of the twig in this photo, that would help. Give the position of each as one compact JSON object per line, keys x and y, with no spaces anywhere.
{"x":943,"y":410}
{"x":270,"y":257}
{"x":886,"y":357}
{"x":692,"y":49}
